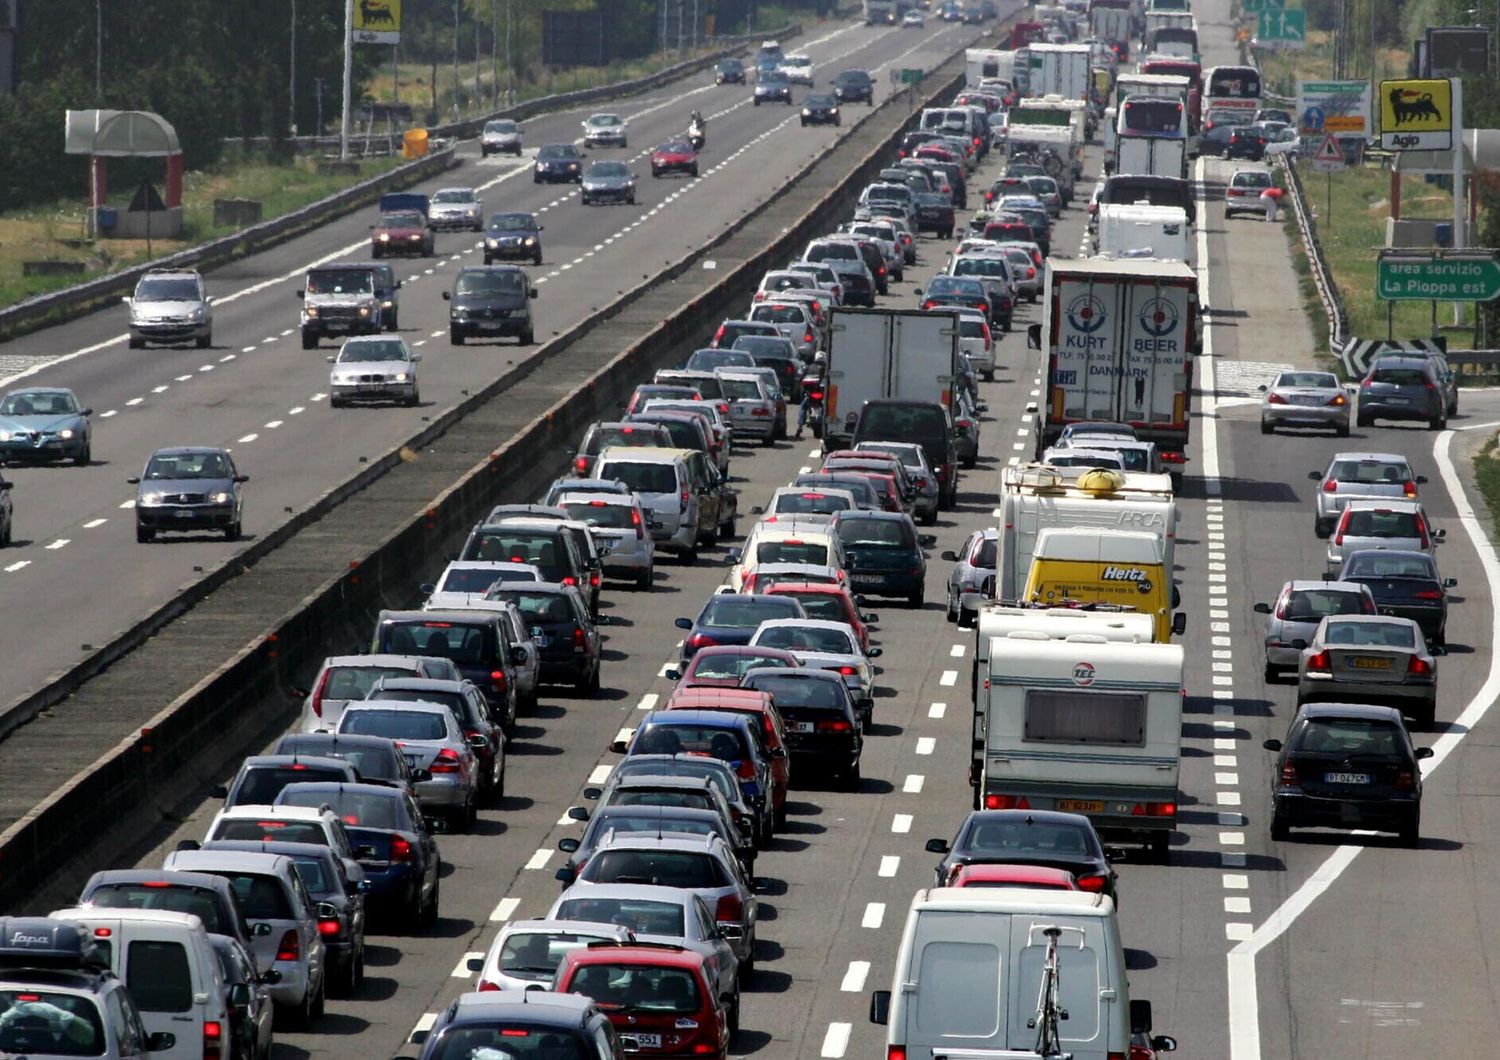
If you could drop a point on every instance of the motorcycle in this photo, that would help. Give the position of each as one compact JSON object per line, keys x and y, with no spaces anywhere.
{"x":813,"y":390}
{"x":696,"y":136}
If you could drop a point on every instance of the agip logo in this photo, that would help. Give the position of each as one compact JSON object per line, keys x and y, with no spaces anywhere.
{"x":1083,"y":674}
{"x":1086,"y":314}
{"x":1159,"y":318}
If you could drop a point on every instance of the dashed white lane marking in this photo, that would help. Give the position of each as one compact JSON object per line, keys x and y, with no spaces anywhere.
{"x":287,"y":332}
{"x":1235,"y":904}
{"x":183,"y":378}
{"x":273,"y":425}
{"x":648,"y":701}
{"x":504,"y":910}
{"x":901,"y":823}
{"x":937,"y":710}
{"x":624,"y":734}
{"x":299,"y":410}
{"x":1228,"y":798}
{"x":207,"y":367}
{"x":248,"y":438}
{"x":836,"y":1040}
{"x":93,"y":523}
{"x":160,"y":389}
{"x":247,"y":349}
{"x":913,"y":784}
{"x":1235,"y":882}
{"x":424,"y":1024}
{"x":890,"y":864}
{"x":957,"y":651}
{"x":461,"y":969}
{"x":814,"y":453}
{"x":267,"y":340}
{"x":127,"y":504}
{"x":854,"y":978}
{"x":435,"y":335}
{"x":1237,"y":932}
{"x":17,"y":565}
{"x":420,"y":342}
{"x":1232,"y":839}
{"x":601,"y":773}
{"x":874,"y":915}
{"x":317,"y":397}
{"x":539,"y":858}
{"x":926,"y":745}
{"x":135,"y":401}
{"x":565,"y":820}
{"x":949,"y":678}
{"x":61,"y":542}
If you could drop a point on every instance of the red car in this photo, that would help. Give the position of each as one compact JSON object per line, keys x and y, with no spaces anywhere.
{"x":1038,"y":876}
{"x":722,"y":665}
{"x":663,"y":997}
{"x":405,"y":232}
{"x":674,"y":156}
{"x":831,"y":603}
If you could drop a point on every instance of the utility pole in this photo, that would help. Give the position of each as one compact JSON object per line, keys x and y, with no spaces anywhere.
{"x":495,"y":51}
{"x":455,"y":58}
{"x":348,"y":77}
{"x":478,"y":92}
{"x":291,"y":104}
{"x":98,"y":51}
{"x":510,"y":54}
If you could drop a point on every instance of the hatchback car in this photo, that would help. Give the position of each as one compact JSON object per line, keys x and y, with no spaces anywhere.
{"x":661,"y":999}
{"x":830,"y":646}
{"x":343,"y":679}
{"x":1028,"y":837}
{"x":565,"y":635}
{"x":1371,"y":659}
{"x":974,"y":567}
{"x":483,"y":727}
{"x":1297,"y":612}
{"x":729,"y":72}
{"x":886,"y":551}
{"x":513,"y":236}
{"x":621,"y":527}
{"x":376,"y":760}
{"x":607,"y":182}
{"x":431,"y":739}
{"x":1405,"y":584}
{"x":1305,"y":399}
{"x":500,"y":136}
{"x":1347,"y":766}
{"x":605,"y":130}
{"x":1351,"y":476}
{"x":43,"y":423}
{"x":1242,"y":195}
{"x":722,"y":665}
{"x":854,"y":86}
{"x":655,"y":809}
{"x":517,"y":1025}
{"x":475,"y":639}
{"x":456,"y":208}
{"x":189,"y":488}
{"x":527,"y":952}
{"x":1365,"y":524}
{"x":170,"y":306}
{"x":261,"y":777}
{"x":826,"y":600}
{"x":824,"y":736}
{"x":772,"y":86}
{"x":491,"y":301}
{"x":402,"y":232}
{"x":674,"y":156}
{"x":820,"y":108}
{"x":732,"y":618}
{"x":1403,"y":387}
{"x":374,"y":368}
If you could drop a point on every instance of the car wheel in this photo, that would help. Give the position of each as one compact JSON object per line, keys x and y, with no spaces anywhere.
{"x":1279,"y":829}
{"x":336,"y":403}
{"x":527,"y":338}
{"x":203,"y":342}
{"x":143,"y":534}
{"x":734,"y":1011}
{"x":535,"y":179}
{"x":1322,"y":527}
{"x":1266,"y":427}
{"x":1271,"y":672}
{"x":690,"y":556}
{"x":415,"y":399}
{"x":309,"y":342}
{"x":320,"y":1000}
{"x":430,"y":908}
{"x":1438,"y":423}
{"x":644,"y":579}
{"x":1411,"y":834}
{"x":232,"y":532}
{"x":694,"y":170}
{"x":84,"y":456}
{"x":850,"y":779}
{"x":966,"y":617}
{"x":1361,"y":420}
{"x":1160,"y":847}
{"x":1343,"y":430}
{"x":536,"y":259}
{"x":455,"y":337}
{"x":915,"y":598}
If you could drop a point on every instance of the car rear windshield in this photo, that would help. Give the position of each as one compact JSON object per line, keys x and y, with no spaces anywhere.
{"x":876,"y":533}
{"x":1308,"y":379}
{"x":1349,"y":736}
{"x":464,"y":644}
{"x":790,"y":551}
{"x":260,"y":785}
{"x":792,"y":691}
{"x":801,"y":638}
{"x":536,"y":954}
{"x":1370,"y":634}
{"x":731,"y":611}
{"x":639,"y":915}
{"x":355,"y":682}
{"x":394,"y":724}
{"x":1368,"y":523}
{"x":1310,"y":605}
{"x":261,"y":897}
{"x":642,"y":478}
{"x":656,"y":821}
{"x":824,"y":606}
{"x":359,"y":809}
{"x":603,"y":438}
{"x":495,"y":1040}
{"x":604,"y":514}
{"x":741,"y":389}
{"x":833,"y":252}
{"x":158,"y":976}
{"x":479,"y":580}
{"x":732,"y":665}
{"x":663,"y":868}
{"x":39,"y":1022}
{"x":315,"y":876}
{"x":692,"y":800}
{"x":1016,"y":839}
{"x":541,"y":548}
{"x":637,"y":988}
{"x":971,"y":328}
{"x":708,"y":360}
{"x":1373,"y":564}
{"x":540,"y":607}
{"x":1373,"y":472}
{"x":270,"y":830}
{"x":1399,"y":376}
{"x":811,"y":503}
{"x":720,"y":743}
{"x":163,"y":895}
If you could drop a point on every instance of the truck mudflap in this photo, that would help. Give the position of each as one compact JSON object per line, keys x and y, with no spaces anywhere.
{"x":1120,"y":808}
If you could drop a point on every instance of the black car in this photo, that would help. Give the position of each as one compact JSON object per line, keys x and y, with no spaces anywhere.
{"x":1215,"y":137}
{"x":854,"y":86}
{"x":567,"y":641}
{"x":619,"y":821}
{"x":261,"y":777}
{"x":490,"y":301}
{"x":474,"y":641}
{"x":823,"y":732}
{"x":772,"y":86}
{"x":513,"y":236}
{"x":780,"y":356}
{"x":732,"y":618}
{"x":558,"y":164}
{"x":1028,"y":837}
{"x":729,"y":72}
{"x":925,"y":422}
{"x":1246,"y":141}
{"x":886,"y":553}
{"x":607,"y":182}
{"x":376,"y":759}
{"x":1405,"y":585}
{"x":935,"y":214}
{"x":483,"y":728}
{"x":820,"y":109}
{"x":1346,"y":765}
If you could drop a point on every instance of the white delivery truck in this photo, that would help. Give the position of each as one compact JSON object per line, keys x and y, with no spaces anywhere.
{"x":1053,"y":109}
{"x":1119,"y":338}
{"x":1057,"y":146}
{"x":1113,"y":24}
{"x":886,"y":353}
{"x":1062,"y":70}
{"x":980,"y":63}
{"x":983,"y":972}
{"x":1151,"y":137}
{"x":1085,"y":725}
{"x":1140,"y":230}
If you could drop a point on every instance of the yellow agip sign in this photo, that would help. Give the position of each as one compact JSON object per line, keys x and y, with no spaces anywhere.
{"x":1416,"y":115}
{"x":377,"y":21}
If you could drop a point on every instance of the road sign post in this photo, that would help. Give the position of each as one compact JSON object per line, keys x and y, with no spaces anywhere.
{"x":1468,"y":277}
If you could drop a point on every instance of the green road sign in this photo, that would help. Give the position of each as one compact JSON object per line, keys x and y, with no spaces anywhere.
{"x":910,"y":76}
{"x":1281,"y":25}
{"x":1255,"y":7}
{"x":1428,"y":277}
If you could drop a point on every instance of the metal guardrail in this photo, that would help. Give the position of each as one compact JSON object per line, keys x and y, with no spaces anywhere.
{"x":1328,"y":292}
{"x":85,"y":296}
{"x":1486,"y":361}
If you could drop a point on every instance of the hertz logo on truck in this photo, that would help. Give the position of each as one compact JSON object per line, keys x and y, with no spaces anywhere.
{"x":1123,"y":574}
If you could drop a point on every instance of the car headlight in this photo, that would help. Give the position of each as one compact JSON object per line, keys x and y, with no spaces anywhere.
{"x":150,"y":499}
{"x":530,"y":241}
{"x":806,"y":113}
{"x":572,"y":165}
{"x":414,"y":238}
{"x":65,"y":433}
{"x":311,"y":311}
{"x":492,"y":242}
{"x":387,"y":304}
{"x":384,"y":237}
{"x":364,"y":310}
{"x":219,"y":498}
{"x":400,"y":377}
{"x":835,"y":110}
{"x":4,"y":436}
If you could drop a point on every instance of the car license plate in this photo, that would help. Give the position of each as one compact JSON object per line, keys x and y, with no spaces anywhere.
{"x":867,"y":579}
{"x":1369,"y":662}
{"x":489,"y":325}
{"x":1080,"y":805}
{"x":369,"y":388}
{"x":647,"y":1041}
{"x":184,"y":514}
{"x":801,"y":726}
{"x":542,"y":639}
{"x":1346,"y":778}
{"x":1396,"y":401}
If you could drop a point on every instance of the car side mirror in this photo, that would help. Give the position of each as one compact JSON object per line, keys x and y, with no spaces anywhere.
{"x":578,"y":813}
{"x":1271,"y":745}
{"x":874,"y":653}
{"x":1033,"y":336}
{"x":1437,"y":649}
{"x":1421,"y":480}
{"x":421,"y":775}
{"x":326,"y":911}
{"x":1140,"y":1016}
{"x":478,"y":741}
{"x":1179,"y":623}
{"x":242,"y":478}
{"x":427,"y":587}
{"x":447,"y":296}
{"x":363,"y":887}
{"x":87,"y":412}
{"x":568,"y":845}
{"x":1262,"y":609}
{"x":674,"y":675}
{"x":618,"y":747}
{"x":436,"y":825}
{"x":300,"y":293}
{"x":1424,"y":752}
{"x":1164,"y":1043}
{"x":1299,"y":644}
{"x":926,"y":540}
{"x":880,"y":1007}
{"x":778,"y":753}
{"x":1315,"y":476}
{"x":531,"y":293}
{"x":1439,"y":535}
{"x":759,"y":509}
{"x":683,"y":623}
{"x":160,"y":1042}
{"x":330,"y":358}
{"x":1450,"y":583}
{"x":134,"y":480}
{"x":400,"y":284}
{"x":218,"y":791}
{"x":565,"y":875}
{"x":937,"y":846}
{"x":1263,"y":388}
{"x":189,"y":844}
{"x":416,"y":357}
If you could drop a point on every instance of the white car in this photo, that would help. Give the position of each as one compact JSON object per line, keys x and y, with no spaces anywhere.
{"x":976,"y":341}
{"x":501,"y":136}
{"x":825,"y":645}
{"x":456,"y":208}
{"x":798,"y":69}
{"x":527,"y":952}
{"x":786,"y":542}
{"x":913,"y":19}
{"x":374,"y":368}
{"x":600,"y":130}
{"x":466,"y":579}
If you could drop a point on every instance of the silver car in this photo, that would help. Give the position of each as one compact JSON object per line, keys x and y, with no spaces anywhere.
{"x":527,"y":952}
{"x":914,"y":458}
{"x":432,"y":740}
{"x":468,"y":579}
{"x":661,"y":478}
{"x":793,"y":320}
{"x":1376,"y":659}
{"x":605,"y":130}
{"x":374,"y":368}
{"x":1360,"y":475}
{"x":1305,"y":399}
{"x":621,"y":526}
{"x":1365,"y":524}
{"x":972,"y":577}
{"x":501,"y":136}
{"x":44,"y":423}
{"x":456,"y":209}
{"x":344,"y":679}
{"x":1298,"y":609}
{"x":170,"y":306}
{"x":752,"y":406}
{"x":825,"y":645}
{"x":188,"y":488}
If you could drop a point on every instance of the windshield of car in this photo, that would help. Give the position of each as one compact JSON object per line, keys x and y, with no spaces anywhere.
{"x":875,"y":533}
{"x":510,"y":1040}
{"x":480,"y":580}
{"x":1018,"y":838}
{"x":187,"y":466}
{"x":639,"y":915}
{"x":158,"y":895}
{"x":355,"y":682}
{"x":271,"y":830}
{"x":513,"y":222}
{"x":643,"y":478}
{"x":1256,"y":179}
{"x":777,"y":314}
{"x":792,"y":551}
{"x":501,"y":126}
{"x":1373,"y":564}
{"x":971,"y":328}
{"x":740,"y":389}
{"x":363,"y":350}
{"x":1310,"y":605}
{"x":820,"y":101}
{"x":490,"y":282}
{"x":455,"y":195}
{"x":1325,"y":380}
{"x":716,"y":742}
{"x":567,"y":151}
{"x":536,"y":954}
{"x":315,"y":876}
{"x":464,"y":644}
{"x":731,"y":665}
{"x":605,"y":120}
{"x":792,"y":691}
{"x":166,"y":290}
{"x":676,"y":147}
{"x":810,"y":503}
{"x":603,"y":513}
{"x":1349,"y":736}
{"x":637,"y":988}
{"x":821,"y":605}
{"x":41,"y":1022}
{"x":1369,"y":634}
{"x":341,"y":281}
{"x":1371,"y":472}
{"x":1131,"y":458}
{"x":540,"y":548}
{"x":833,"y":252}
{"x":953,"y":285}
{"x":691,"y":800}
{"x":538,"y":608}
{"x":38,"y":403}
{"x":663,"y":868}
{"x":981,"y":267}
{"x":261,"y":784}
{"x":708,"y":360}
{"x":401,"y":220}
{"x":358,"y":809}
{"x":609,"y":169}
{"x":732,"y":611}
{"x":903,"y":421}
{"x":394,"y":724}
{"x":804,"y":638}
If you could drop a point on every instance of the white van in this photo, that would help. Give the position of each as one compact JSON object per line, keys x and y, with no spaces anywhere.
{"x":1140,"y":230}
{"x":970,"y":975}
{"x":662,"y":479}
{"x":170,"y":967}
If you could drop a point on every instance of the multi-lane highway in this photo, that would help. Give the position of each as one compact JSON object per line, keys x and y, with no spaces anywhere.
{"x":1324,"y":945}
{"x":76,"y":564}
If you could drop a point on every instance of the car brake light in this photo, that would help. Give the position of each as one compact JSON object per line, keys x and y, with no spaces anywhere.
{"x":213,"y":1040}
{"x":103,"y":932}
{"x":1289,"y":772}
{"x":1418,"y":667}
{"x":1406,"y":780}
{"x":581,"y":464}
{"x":1330,"y":485}
{"x":1366,"y":383}
{"x":895,"y":1052}
{"x":1338,"y":536}
{"x":729,"y":909}
{"x":1409,"y":488}
{"x":485,"y":984}
{"x":445,"y":762}
{"x":1093,"y":884}
{"x":156,"y":883}
{"x":498,"y":679}
{"x":1154,"y":809}
{"x":718,"y":335}
{"x":1275,"y":399}
{"x":701,"y":640}
{"x":1338,"y":400}
{"x":1006,"y":802}
{"x":1428,"y":594}
{"x":401,"y":849}
{"x":1318,"y":660}
{"x":1422,"y":531}
{"x":579,"y":642}
{"x":317,"y":696}
{"x":837,"y":725}
{"x":329,"y":928}
{"x":745,"y":769}
{"x":570,"y":580}
{"x":290,"y":947}
{"x":848,"y":671}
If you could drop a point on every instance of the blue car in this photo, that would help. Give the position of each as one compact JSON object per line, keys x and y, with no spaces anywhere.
{"x":731,"y":618}
{"x":44,"y":423}
{"x":391,"y":842}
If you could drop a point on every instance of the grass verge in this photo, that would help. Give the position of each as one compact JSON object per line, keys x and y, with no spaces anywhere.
{"x":56,"y":232}
{"x":1487,"y":477}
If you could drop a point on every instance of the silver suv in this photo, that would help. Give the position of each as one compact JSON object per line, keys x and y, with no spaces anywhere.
{"x":339,"y":300}
{"x":171,"y":306}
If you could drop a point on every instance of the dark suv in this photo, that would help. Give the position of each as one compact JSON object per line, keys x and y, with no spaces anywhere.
{"x":512,"y":236}
{"x":1403,"y":387}
{"x":476,"y":641}
{"x":925,"y":422}
{"x":489,"y":301}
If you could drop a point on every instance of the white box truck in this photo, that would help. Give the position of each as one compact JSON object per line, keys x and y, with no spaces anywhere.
{"x":982,"y":971}
{"x":1119,"y":338}
{"x":1085,"y":725}
{"x":1138,"y":230}
{"x":1062,"y":70}
{"x":886,"y":353}
{"x":980,"y":63}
